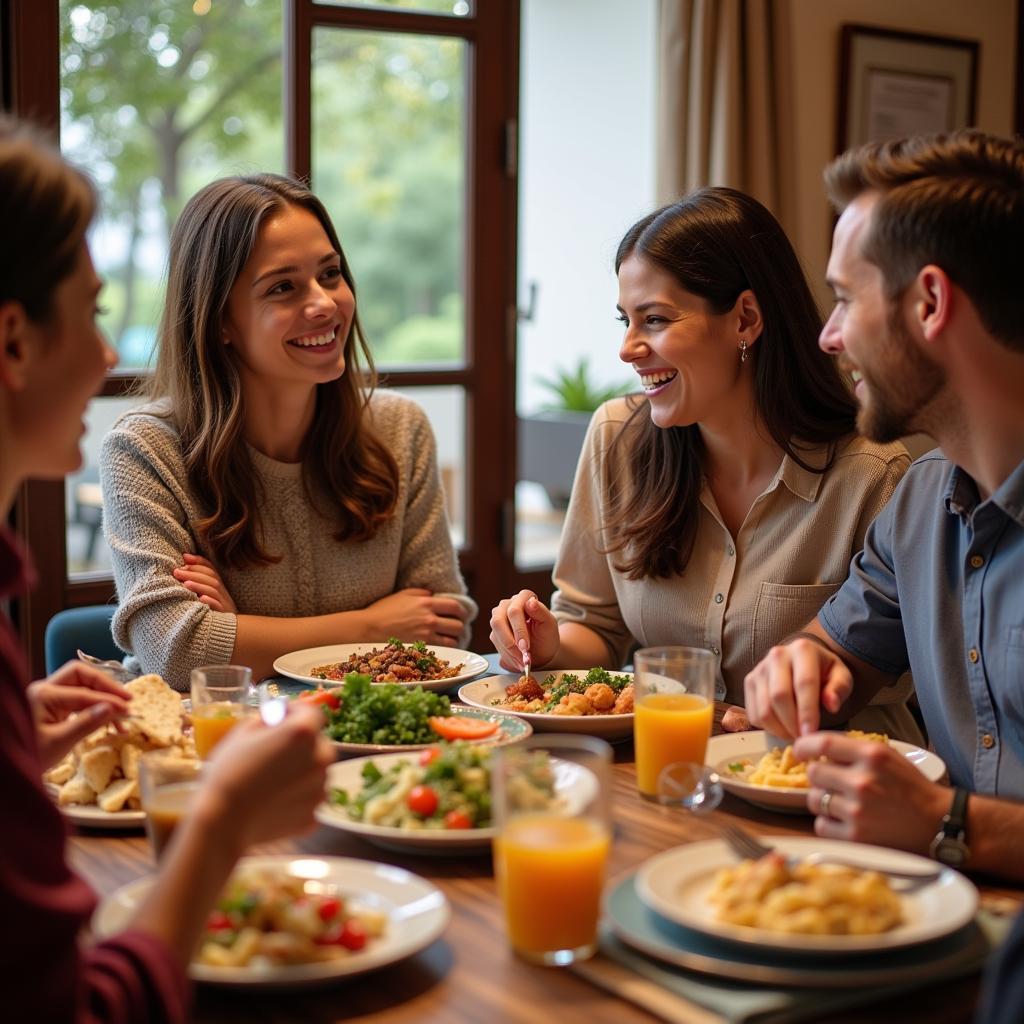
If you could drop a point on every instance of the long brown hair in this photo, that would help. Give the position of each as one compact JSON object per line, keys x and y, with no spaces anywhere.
{"x":345,"y":466}
{"x":717,"y":243}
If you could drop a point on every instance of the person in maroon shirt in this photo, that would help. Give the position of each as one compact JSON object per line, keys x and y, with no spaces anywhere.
{"x":263,"y":783}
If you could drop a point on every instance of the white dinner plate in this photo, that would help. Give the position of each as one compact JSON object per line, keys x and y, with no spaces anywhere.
{"x":574,"y":783}
{"x":417,"y":912}
{"x":91,"y":816}
{"x":486,"y":693}
{"x":731,"y":747}
{"x":510,"y":730}
{"x":675,"y":884}
{"x":299,"y":664}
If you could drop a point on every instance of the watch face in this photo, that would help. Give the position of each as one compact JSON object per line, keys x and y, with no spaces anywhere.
{"x":949,"y":850}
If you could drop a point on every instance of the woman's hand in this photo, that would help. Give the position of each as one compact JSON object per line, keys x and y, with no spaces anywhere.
{"x":199,"y":576}
{"x":417,"y":614}
{"x":70,"y":704}
{"x":522,"y":623}
{"x":266,"y":780}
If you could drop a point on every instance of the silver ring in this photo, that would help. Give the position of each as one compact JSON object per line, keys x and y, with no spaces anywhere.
{"x":826,"y":800}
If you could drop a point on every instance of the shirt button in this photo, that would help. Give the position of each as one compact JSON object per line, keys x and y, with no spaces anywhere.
{"x":719,"y":598}
{"x":988,"y":741}
{"x":973,"y":655}
{"x":730,"y":551}
{"x":715,"y":650}
{"x":977,"y":561}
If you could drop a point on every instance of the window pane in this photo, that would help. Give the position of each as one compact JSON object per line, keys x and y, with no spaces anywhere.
{"x":388,"y":156}
{"x":578,"y":192}
{"x":458,"y":8}
{"x":156,"y":101}
{"x":446,"y":409}
{"x":87,"y":551}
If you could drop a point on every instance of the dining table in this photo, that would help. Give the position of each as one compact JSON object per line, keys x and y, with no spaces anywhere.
{"x":470,"y":974}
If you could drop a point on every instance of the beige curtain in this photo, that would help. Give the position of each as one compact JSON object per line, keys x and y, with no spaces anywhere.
{"x":723,"y":85}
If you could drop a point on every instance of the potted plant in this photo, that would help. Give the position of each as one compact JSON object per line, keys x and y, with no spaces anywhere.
{"x":550,"y":440}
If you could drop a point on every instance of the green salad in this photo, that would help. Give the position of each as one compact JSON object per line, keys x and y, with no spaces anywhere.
{"x":447,"y":787}
{"x":384,"y":714}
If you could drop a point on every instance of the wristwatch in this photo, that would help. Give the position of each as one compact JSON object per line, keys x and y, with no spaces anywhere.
{"x":950,"y":843}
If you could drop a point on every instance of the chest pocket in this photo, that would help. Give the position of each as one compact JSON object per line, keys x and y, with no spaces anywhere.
{"x":781,"y":609}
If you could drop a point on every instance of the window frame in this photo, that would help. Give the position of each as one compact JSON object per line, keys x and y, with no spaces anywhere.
{"x":31,"y":29}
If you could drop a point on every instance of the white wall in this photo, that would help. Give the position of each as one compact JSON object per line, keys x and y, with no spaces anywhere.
{"x":586,"y":173}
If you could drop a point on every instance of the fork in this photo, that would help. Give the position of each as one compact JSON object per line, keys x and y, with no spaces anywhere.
{"x":527,"y":660}
{"x":114,"y":668}
{"x":748,"y":847}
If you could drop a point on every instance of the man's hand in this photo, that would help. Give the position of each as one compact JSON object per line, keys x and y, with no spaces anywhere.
{"x":70,"y":704}
{"x":877,"y":795}
{"x":785,"y":692}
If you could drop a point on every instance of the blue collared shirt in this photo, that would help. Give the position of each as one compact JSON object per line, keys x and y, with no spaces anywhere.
{"x":939,"y":588}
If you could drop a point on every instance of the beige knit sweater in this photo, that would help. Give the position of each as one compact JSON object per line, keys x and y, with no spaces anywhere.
{"x":148,"y":514}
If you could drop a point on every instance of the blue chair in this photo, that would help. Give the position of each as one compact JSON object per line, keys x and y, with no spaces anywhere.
{"x":87,"y":628}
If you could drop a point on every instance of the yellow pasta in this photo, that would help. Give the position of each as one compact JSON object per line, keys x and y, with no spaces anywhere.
{"x":779,"y":768}
{"x":806,"y":899}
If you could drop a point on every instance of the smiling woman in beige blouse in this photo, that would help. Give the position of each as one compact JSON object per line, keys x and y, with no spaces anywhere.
{"x":720,"y":508}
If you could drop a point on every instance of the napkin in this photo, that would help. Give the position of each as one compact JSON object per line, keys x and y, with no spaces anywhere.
{"x":685,"y":997}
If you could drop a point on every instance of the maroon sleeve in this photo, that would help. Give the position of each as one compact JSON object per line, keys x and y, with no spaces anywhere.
{"x":45,"y":974}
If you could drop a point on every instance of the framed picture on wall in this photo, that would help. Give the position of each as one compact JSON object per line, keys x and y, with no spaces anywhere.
{"x":902,"y":83}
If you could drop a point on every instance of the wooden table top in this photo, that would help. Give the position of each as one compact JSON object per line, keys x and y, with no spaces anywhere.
{"x":470,"y":975}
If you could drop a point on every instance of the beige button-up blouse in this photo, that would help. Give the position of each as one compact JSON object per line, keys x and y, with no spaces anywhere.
{"x":738,"y":595}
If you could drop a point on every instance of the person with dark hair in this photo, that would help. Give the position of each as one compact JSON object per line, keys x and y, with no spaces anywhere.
{"x":929,"y":318}
{"x":266,"y":499}
{"x":263,"y":784}
{"x":722,"y":506}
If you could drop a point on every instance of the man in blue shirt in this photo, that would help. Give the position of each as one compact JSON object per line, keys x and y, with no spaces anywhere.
{"x":929,"y":320}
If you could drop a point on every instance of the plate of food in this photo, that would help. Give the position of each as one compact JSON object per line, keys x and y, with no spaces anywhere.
{"x":774,"y":780}
{"x":285,"y":921}
{"x":96,"y":785}
{"x":436,"y":800}
{"x":782,"y":902}
{"x":389,"y":661}
{"x":592,"y":701}
{"x":361,"y":717}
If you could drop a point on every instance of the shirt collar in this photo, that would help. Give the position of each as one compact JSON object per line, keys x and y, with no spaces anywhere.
{"x":962,"y":497}
{"x":16,"y":572}
{"x":804,"y":483}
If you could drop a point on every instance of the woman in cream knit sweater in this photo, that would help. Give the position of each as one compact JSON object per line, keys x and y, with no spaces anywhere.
{"x":267,"y":499}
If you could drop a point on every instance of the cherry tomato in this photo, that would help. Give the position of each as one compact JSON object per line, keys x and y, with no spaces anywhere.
{"x":429,"y":756}
{"x":218,"y":921}
{"x":329,"y":908}
{"x":457,"y":819}
{"x":421,"y":800}
{"x":324,"y":698}
{"x":353,"y":934}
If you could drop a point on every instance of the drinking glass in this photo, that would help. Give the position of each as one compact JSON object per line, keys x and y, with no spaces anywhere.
{"x":221,"y":698}
{"x":550,"y":852}
{"x":167,"y":784}
{"x":674,"y":691}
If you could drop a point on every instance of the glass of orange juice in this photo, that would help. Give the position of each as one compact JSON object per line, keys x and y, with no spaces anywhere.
{"x":551,"y":804}
{"x":673,"y":706}
{"x":167,"y":784}
{"x":221,"y":698}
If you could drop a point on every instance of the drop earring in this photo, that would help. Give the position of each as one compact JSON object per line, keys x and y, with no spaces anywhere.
{"x":743,"y":350}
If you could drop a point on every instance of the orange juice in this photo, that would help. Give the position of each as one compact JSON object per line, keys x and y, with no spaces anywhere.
{"x":212,"y":722}
{"x":668,"y":727}
{"x":550,"y":871}
{"x":164,"y":809}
